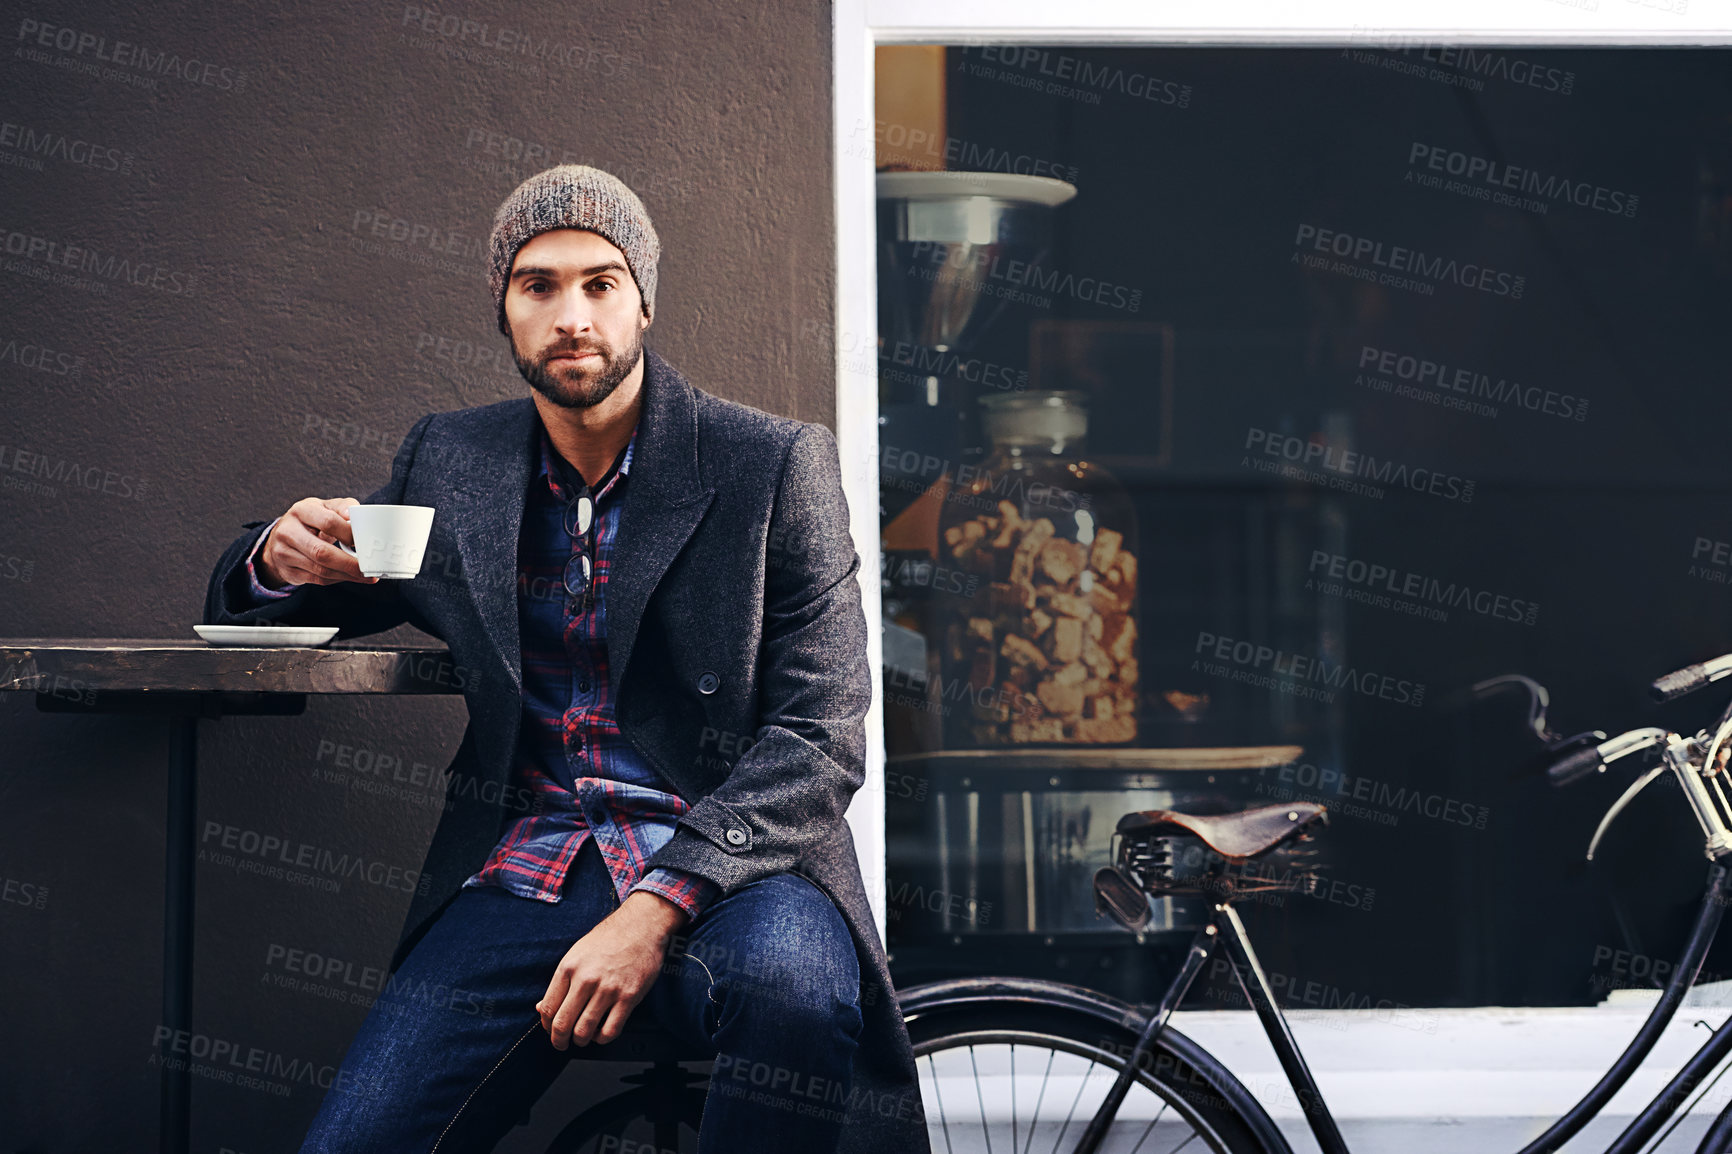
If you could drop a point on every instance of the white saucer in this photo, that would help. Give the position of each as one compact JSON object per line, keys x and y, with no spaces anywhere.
{"x":272,"y":636}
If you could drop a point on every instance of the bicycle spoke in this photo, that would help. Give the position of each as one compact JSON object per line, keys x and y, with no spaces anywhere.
{"x":1150,"y":1128}
{"x":1032,"y":1122}
{"x":938,"y":1096}
{"x":985,"y":1127}
{"x":1140,"y":1124}
{"x":1067,"y":1118}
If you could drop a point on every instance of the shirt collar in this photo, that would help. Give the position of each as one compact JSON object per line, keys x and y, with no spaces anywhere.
{"x":561,"y":479}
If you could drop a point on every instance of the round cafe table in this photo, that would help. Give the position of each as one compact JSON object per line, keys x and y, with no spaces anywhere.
{"x":183,"y":681}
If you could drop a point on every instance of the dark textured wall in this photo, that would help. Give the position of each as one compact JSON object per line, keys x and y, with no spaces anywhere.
{"x":281,"y":214}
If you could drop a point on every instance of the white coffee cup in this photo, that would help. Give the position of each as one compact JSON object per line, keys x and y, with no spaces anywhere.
{"x":390,"y":540}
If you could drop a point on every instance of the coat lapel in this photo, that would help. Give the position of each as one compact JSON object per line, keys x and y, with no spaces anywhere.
{"x":664,"y":501}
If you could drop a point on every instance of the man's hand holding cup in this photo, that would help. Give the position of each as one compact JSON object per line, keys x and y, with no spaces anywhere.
{"x":303,"y":545}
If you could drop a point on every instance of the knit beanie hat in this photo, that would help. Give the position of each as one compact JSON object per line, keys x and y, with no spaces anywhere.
{"x":574,"y":196}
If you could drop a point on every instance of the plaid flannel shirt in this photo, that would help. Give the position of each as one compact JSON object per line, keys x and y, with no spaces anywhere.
{"x":584,"y":775}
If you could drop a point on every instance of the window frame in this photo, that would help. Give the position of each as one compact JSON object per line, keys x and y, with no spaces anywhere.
{"x":860,"y":26}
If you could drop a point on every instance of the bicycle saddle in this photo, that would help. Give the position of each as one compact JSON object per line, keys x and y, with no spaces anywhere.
{"x":1235,"y":836}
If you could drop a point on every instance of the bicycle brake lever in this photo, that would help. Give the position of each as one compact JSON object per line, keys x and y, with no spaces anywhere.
{"x":1628,"y":796}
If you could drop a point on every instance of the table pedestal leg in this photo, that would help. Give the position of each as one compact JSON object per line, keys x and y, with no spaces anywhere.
{"x":174,"y":1135}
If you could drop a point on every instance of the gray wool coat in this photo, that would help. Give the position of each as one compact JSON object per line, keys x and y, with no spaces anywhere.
{"x":736,"y":650}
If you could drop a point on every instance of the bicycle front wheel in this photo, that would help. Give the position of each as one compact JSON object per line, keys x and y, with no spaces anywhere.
{"x":1019,"y":1068}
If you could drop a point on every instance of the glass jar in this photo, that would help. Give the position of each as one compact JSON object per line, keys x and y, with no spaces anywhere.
{"x":1038,"y":625}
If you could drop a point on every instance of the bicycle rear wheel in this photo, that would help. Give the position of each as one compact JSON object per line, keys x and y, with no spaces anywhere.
{"x":1018,"y":1067}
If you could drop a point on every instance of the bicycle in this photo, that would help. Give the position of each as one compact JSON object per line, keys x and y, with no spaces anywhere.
{"x":1159,"y":1084}
{"x":1162,"y":1084}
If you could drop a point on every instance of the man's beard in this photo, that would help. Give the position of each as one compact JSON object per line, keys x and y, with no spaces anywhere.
{"x":590,"y":386}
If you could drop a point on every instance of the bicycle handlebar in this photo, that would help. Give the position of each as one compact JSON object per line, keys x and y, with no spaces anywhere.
{"x":1574,"y":765}
{"x":1588,"y":753}
{"x":1690,"y":678}
{"x":1678,"y":683}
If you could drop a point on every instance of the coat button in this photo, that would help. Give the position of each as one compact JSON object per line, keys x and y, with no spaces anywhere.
{"x":736,"y":837}
{"x":708,"y":682}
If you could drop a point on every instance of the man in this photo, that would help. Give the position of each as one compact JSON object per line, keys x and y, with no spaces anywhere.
{"x":655,"y":619}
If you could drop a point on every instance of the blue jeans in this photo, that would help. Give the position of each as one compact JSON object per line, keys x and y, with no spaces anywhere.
{"x":452,"y":1051}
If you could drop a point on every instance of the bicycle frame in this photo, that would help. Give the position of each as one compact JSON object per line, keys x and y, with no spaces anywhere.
{"x":1224,"y":930}
{"x":1694,"y":762}
{"x":1713,"y":813}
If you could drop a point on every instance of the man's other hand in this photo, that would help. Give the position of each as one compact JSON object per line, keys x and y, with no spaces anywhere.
{"x":609,"y":971}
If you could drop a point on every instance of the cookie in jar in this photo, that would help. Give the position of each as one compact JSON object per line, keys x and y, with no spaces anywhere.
{"x":1046,"y":651}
